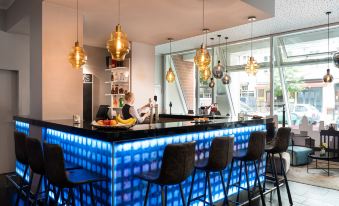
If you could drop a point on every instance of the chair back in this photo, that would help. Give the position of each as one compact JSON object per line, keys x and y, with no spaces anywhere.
{"x":177,"y":163}
{"x":20,"y":147}
{"x":55,"y":165}
{"x":256,"y":146}
{"x":221,"y":153}
{"x":35,"y":155}
{"x":282,"y":140}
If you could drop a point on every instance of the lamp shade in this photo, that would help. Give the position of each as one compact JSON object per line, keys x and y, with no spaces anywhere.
{"x":170,"y":76}
{"x":226,"y":78}
{"x":212,"y":83}
{"x":206,"y":73}
{"x":328,"y":78}
{"x":218,"y":70}
{"x":77,"y":57}
{"x":118,"y":45}
{"x":336,"y":59}
{"x":202,"y":58}
{"x":251,"y":66}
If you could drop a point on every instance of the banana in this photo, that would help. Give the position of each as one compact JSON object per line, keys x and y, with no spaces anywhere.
{"x":129,"y":121}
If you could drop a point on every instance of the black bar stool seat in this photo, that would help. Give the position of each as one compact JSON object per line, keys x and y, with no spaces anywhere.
{"x":253,"y":154}
{"x":220,"y":156}
{"x":58,"y":176}
{"x":280,"y":145}
{"x":177,"y":165}
{"x":21,"y":157}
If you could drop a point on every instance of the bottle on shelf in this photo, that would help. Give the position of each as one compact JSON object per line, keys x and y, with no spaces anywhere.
{"x":121,"y":102}
{"x":115,"y":102}
{"x":112,"y":77}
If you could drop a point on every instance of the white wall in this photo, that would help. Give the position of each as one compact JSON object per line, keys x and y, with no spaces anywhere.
{"x":14,"y":55}
{"x":143,"y":63}
{"x":62,"y":91}
{"x":96,"y":65}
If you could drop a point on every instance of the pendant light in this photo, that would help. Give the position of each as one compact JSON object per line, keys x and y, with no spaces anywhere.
{"x":206,"y":73}
{"x":118,"y":44}
{"x":328,"y":78}
{"x":212,"y":83}
{"x":227,"y":78}
{"x":251,"y":67}
{"x":77,"y":56}
{"x":218,"y":70}
{"x":202,"y":57}
{"x":170,"y":76}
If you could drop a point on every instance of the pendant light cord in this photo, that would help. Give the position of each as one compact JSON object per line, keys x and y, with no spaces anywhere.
{"x":251,"y":38}
{"x":77,"y":20}
{"x":226,"y":54}
{"x":328,"y":39}
{"x":118,"y":11}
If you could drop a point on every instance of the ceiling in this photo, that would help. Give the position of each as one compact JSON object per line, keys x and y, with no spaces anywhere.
{"x":4,"y":4}
{"x":289,"y":15}
{"x":153,"y":21}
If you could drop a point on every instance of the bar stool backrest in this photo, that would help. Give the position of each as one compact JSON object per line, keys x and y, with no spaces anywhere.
{"x":282,"y":140}
{"x":20,"y":147}
{"x":221,"y":153}
{"x":256,"y":146}
{"x":177,"y":163}
{"x":35,"y":155}
{"x":55,"y":165}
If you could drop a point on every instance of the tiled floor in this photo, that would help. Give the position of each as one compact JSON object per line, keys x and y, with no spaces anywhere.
{"x":303,"y":195}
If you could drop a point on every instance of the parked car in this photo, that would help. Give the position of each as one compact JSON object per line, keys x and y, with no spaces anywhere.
{"x":312,"y":113}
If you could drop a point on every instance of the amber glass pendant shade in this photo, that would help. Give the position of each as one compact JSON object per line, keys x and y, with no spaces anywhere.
{"x":118,"y":45}
{"x":77,"y":57}
{"x":251,"y":67}
{"x":206,"y":73}
{"x":170,"y":76}
{"x":328,"y":78}
{"x":202,"y":58}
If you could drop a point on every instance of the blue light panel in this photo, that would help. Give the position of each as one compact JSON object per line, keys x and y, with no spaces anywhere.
{"x":20,"y":168}
{"x":91,"y":154}
{"x":132,"y":158}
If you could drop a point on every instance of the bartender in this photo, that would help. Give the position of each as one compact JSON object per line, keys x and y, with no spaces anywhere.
{"x":128,"y":110}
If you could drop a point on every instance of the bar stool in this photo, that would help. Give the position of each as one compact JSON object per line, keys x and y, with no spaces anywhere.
{"x":70,"y":179}
{"x":220,"y":156}
{"x":36,"y":163}
{"x":177,"y":165}
{"x":254,"y":152}
{"x":280,"y":145}
{"x":21,"y":157}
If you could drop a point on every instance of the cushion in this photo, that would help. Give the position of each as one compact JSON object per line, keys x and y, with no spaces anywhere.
{"x":300,"y":155}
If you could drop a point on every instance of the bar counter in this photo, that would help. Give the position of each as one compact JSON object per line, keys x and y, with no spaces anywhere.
{"x":121,"y":154}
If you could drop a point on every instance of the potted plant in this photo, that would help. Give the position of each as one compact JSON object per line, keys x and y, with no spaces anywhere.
{"x":323,"y":148}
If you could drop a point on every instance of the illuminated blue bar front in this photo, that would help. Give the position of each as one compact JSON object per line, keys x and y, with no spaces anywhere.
{"x":135,"y":157}
{"x":21,"y":127}
{"x":90,"y":154}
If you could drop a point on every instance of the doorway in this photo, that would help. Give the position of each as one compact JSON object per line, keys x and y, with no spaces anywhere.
{"x":8,"y":108}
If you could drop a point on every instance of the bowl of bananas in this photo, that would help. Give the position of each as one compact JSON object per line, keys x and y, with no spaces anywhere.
{"x":117,"y":123}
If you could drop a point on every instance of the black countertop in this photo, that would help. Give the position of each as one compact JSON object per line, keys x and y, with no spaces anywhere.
{"x":139,"y":131}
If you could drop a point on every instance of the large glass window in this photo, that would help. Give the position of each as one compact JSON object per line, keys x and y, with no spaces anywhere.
{"x":246,"y":93}
{"x":300,"y":64}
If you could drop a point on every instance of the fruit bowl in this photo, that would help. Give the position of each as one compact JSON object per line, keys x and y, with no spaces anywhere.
{"x":118,"y":123}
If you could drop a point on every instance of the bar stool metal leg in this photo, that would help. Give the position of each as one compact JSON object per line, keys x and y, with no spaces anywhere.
{"x":182,"y":195}
{"x":147,"y":191}
{"x":248,"y":184}
{"x":22,"y":182}
{"x":286,"y":181}
{"x":47,"y":194}
{"x":223,"y":187}
{"x":163,"y":201}
{"x":210,"y":197}
{"x":191,"y":189}
{"x":259,"y":184}
{"x":276,"y":179}
{"x":229,"y":177}
{"x":205,"y":188}
{"x":92,"y":194}
{"x":81,"y":196}
{"x":36,"y":195}
{"x":239,"y":181}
